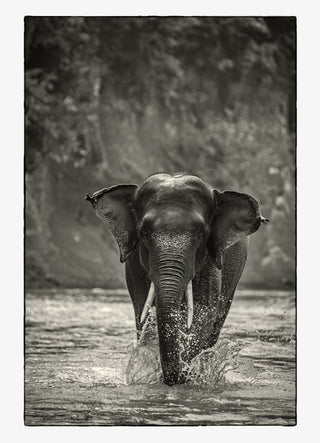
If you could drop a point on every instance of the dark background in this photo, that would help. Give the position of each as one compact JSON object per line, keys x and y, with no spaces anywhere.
{"x":111,"y":100}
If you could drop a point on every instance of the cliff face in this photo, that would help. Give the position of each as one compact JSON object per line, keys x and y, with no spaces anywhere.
{"x":67,"y":245}
{"x":113,"y":100}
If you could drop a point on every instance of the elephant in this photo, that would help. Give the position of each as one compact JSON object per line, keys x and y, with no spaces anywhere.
{"x":184,"y":245}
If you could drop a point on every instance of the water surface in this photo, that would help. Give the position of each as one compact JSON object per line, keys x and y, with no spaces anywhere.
{"x":82,"y":366}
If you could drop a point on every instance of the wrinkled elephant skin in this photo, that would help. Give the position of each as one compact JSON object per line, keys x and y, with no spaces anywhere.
{"x":184,"y":245}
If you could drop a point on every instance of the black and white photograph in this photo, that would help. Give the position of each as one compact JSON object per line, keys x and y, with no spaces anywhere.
{"x":160,"y":220}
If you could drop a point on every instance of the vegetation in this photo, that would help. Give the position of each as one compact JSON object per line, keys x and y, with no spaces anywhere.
{"x":115,"y":99}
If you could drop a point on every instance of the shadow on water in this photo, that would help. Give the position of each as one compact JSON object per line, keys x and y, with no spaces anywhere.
{"x":84,"y":367}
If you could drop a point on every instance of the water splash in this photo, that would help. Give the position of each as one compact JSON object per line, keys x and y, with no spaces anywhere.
{"x":144,"y":362}
{"x":211,"y":366}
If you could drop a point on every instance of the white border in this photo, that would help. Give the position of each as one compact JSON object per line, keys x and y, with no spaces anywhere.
{"x":12,"y":216}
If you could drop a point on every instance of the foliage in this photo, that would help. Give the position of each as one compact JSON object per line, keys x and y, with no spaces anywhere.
{"x":111,"y":100}
{"x":71,"y":61}
{"x":61,"y":87}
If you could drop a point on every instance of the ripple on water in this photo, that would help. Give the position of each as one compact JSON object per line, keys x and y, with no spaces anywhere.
{"x":83,"y":365}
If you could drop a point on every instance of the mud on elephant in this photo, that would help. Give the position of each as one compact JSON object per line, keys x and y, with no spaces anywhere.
{"x":184,"y":245}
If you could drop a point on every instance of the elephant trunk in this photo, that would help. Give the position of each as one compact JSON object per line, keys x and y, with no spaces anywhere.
{"x":170,"y":285}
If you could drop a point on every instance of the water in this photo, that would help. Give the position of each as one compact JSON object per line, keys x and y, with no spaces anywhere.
{"x":83,"y":366}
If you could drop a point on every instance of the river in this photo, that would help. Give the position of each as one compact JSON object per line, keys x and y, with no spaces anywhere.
{"x":83,"y":366}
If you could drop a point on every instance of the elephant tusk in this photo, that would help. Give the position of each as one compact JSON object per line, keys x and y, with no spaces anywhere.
{"x":189,"y":297}
{"x":149,"y":302}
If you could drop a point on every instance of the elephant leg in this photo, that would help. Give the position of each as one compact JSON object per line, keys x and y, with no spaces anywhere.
{"x":206,"y":291}
{"x":138,"y":285}
{"x":233,"y":264}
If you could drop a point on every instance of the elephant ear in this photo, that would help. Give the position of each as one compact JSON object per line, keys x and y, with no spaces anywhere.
{"x":235,"y":217}
{"x":114,"y":206}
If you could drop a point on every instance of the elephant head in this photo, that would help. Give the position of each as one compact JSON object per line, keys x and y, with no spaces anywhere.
{"x":176,"y":222}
